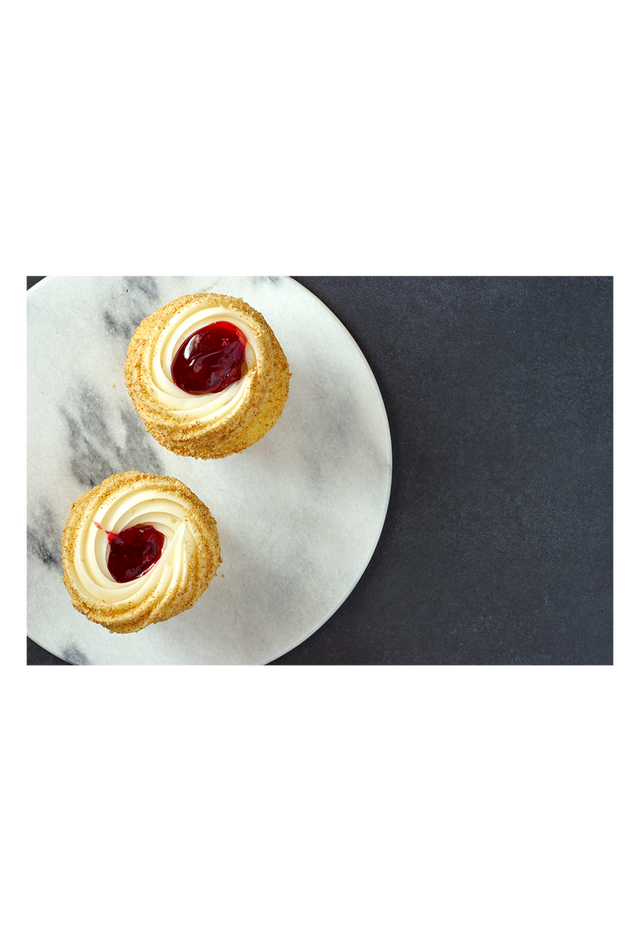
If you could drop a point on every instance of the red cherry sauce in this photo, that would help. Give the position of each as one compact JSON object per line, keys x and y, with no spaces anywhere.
{"x":133,"y":551}
{"x":210,"y":359}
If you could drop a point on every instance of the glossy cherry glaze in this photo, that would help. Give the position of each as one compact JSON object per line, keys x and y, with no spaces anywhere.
{"x":133,"y":551}
{"x":210,"y":359}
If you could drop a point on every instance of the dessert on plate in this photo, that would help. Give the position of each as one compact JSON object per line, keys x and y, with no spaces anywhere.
{"x":207,"y":375}
{"x":138,"y":549}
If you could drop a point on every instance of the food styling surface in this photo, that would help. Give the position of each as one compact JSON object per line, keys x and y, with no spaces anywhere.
{"x":497,"y":544}
{"x":299,"y":513}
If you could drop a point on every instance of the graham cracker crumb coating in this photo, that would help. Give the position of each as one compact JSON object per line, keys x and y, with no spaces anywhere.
{"x":257,"y":412}
{"x":126,"y":616}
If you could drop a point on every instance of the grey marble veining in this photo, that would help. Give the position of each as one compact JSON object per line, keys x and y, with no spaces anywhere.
{"x":299,"y":513}
{"x":97,"y":450}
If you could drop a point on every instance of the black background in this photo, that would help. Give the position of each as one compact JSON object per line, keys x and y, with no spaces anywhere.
{"x":498,"y":543}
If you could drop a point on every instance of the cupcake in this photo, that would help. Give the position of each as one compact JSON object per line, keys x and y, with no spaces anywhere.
{"x":138,"y":549}
{"x":207,"y":375}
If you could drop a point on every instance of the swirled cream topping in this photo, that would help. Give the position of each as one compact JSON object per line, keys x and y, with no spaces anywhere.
{"x":188,"y":320}
{"x":144,"y":505}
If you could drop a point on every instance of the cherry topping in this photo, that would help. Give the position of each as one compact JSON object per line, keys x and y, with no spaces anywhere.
{"x":133,"y":551}
{"x":210,"y":359}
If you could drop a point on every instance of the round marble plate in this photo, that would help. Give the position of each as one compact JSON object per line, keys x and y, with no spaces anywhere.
{"x":299,"y":514}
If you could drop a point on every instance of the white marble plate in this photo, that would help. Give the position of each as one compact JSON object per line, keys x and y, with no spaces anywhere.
{"x":299,"y":514}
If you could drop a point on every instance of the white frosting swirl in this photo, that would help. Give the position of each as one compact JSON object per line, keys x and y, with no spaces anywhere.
{"x":212,"y":406}
{"x":144,"y":505}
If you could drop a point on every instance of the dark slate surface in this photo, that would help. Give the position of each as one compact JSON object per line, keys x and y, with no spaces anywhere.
{"x":498,"y":545}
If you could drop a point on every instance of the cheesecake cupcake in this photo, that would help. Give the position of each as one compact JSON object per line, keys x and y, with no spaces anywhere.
{"x":207,"y":375}
{"x":138,"y":549}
